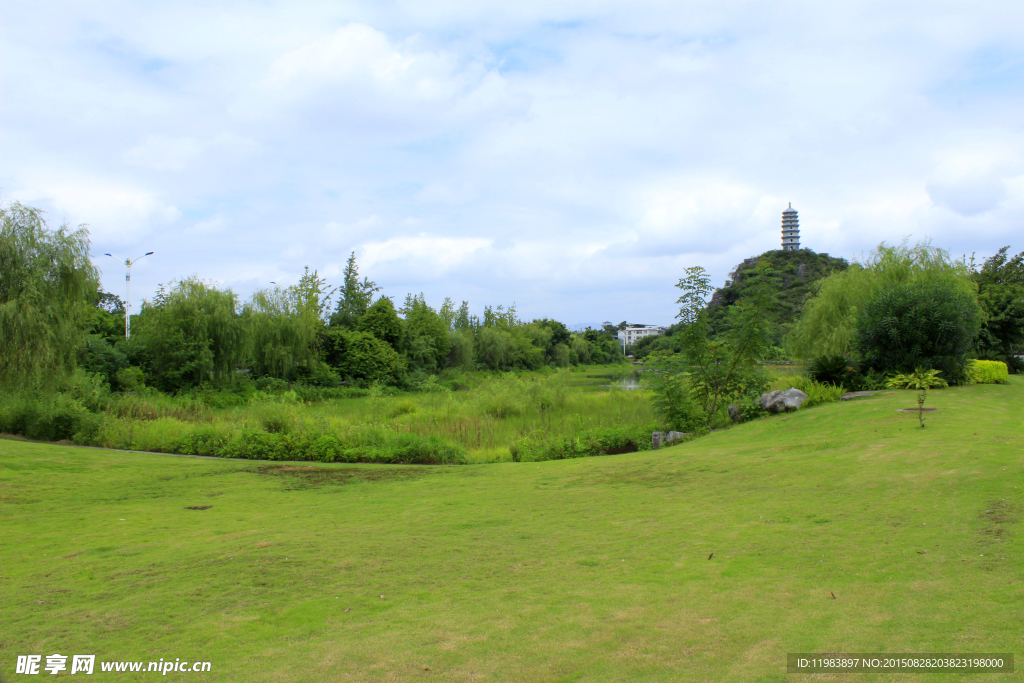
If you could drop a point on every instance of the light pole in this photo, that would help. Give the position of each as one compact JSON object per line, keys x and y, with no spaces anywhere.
{"x":128,"y":284}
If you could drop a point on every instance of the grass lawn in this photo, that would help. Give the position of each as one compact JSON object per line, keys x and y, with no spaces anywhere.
{"x":584,"y":570}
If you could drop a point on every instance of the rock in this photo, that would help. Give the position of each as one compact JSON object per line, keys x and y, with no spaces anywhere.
{"x":856,"y":394}
{"x":782,"y":401}
{"x":659,"y":439}
{"x":735,"y":413}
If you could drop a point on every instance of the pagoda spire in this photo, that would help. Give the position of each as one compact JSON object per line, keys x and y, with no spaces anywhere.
{"x":790,"y":229}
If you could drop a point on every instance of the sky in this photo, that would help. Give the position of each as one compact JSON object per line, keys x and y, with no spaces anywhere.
{"x":569,"y":157}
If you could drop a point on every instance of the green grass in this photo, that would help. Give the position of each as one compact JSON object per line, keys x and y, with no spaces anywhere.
{"x":481,"y":420}
{"x":581,"y":570}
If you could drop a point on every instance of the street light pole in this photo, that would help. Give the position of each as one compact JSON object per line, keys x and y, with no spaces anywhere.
{"x":128,"y":285}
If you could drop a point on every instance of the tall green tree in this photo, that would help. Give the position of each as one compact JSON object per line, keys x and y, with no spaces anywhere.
{"x":354,"y":296}
{"x":46,"y":283}
{"x":714,"y":370}
{"x":919,"y":324}
{"x":189,"y":333}
{"x":1001,"y":296}
{"x":829,"y":323}
{"x":426,"y":334}
{"x":282,"y":329}
{"x":381,"y":320}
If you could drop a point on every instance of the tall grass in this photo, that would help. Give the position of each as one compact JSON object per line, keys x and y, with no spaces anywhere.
{"x":478,"y":423}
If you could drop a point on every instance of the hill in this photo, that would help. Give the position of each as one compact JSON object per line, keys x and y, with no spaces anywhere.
{"x":797,"y":270}
{"x":840,"y":528}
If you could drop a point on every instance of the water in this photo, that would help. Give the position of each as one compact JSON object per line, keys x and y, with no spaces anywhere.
{"x":624,"y":381}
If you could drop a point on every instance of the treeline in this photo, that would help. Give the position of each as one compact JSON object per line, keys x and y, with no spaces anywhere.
{"x":192,"y":332}
{"x":909,"y":316}
{"x":815,"y":304}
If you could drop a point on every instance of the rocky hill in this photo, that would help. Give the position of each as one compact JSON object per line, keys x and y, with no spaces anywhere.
{"x":796,"y":272}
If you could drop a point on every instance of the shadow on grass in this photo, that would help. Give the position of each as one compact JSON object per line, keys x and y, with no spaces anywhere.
{"x":304,"y":477}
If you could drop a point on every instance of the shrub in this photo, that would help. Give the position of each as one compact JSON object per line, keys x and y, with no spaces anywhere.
{"x":837,"y":370}
{"x":920,"y":379}
{"x":598,"y":441}
{"x":277,"y":423}
{"x":59,"y":418}
{"x":363,"y":356}
{"x":920,"y":324}
{"x":403,"y":407}
{"x":818,"y":392}
{"x":988,"y":372}
{"x":130,"y":379}
{"x":675,"y":404}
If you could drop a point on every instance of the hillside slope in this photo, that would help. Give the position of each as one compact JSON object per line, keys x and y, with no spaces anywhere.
{"x":797,"y":272}
{"x":844,"y":527}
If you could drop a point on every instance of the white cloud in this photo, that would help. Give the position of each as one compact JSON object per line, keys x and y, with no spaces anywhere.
{"x":424,"y":253}
{"x":161,"y":153}
{"x":972,"y":181}
{"x":532,"y":151}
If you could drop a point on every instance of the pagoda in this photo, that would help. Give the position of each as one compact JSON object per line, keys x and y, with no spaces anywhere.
{"x":790,"y":229}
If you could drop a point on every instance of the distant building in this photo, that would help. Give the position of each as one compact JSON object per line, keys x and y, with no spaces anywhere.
{"x":790,"y":229}
{"x":634,"y":333}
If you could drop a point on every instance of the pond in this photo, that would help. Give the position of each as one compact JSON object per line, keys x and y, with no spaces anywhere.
{"x":626,"y":379}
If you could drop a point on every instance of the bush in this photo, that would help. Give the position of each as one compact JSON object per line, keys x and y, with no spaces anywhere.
{"x":675,"y":404}
{"x":818,"y":392}
{"x":921,"y":324}
{"x":837,"y":370}
{"x":57,"y":419}
{"x":988,"y":372}
{"x":598,"y":441}
{"x":130,"y":379}
{"x":363,"y":356}
{"x":919,"y":379}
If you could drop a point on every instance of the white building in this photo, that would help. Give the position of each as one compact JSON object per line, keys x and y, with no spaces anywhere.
{"x":634,"y":333}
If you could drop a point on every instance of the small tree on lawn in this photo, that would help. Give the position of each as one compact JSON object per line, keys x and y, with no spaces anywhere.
{"x":716,"y":370}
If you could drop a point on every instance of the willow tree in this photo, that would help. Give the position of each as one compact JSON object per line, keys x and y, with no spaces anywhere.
{"x":282,"y":327}
{"x":829,"y":324}
{"x":46,"y":279}
{"x":189,"y":333}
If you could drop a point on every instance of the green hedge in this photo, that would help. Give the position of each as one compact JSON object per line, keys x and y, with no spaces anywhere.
{"x":63,"y":417}
{"x":379,"y":447}
{"x":988,"y":372}
{"x":600,"y":441}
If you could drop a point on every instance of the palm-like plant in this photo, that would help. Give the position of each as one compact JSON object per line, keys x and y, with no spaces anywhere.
{"x":920,"y":379}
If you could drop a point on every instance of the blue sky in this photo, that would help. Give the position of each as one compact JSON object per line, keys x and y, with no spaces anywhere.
{"x":571,"y":157}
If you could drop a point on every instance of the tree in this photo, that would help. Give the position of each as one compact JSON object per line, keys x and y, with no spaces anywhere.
{"x":426,"y":333}
{"x":191,"y":332}
{"x":106,"y":318}
{"x":355,"y":297}
{"x":494,"y":347}
{"x":1001,"y":296}
{"x":382,"y":321}
{"x":722,"y":368}
{"x":313,"y":295}
{"x":362,"y":356}
{"x":830,"y":320}
{"x":46,"y":283}
{"x":282,"y":328}
{"x":922,"y":324}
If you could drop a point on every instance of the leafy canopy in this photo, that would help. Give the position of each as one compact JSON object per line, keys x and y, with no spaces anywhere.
{"x":46,"y":284}
{"x":829,"y":323}
{"x":926,"y":324}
